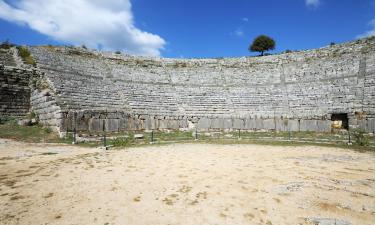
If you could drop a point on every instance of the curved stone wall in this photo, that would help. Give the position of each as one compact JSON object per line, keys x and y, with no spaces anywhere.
{"x":294,"y":91}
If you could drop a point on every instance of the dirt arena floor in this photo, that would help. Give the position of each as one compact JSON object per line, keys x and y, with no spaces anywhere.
{"x":185,"y":184}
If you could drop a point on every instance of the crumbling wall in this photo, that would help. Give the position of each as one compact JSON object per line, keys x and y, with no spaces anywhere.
{"x":14,"y":91}
{"x":6,"y":57}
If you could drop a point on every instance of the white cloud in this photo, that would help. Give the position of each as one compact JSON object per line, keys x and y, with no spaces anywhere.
{"x":95,"y":23}
{"x":245,"y":19}
{"x":239,"y":33}
{"x":369,"y":32}
{"x":312,"y":3}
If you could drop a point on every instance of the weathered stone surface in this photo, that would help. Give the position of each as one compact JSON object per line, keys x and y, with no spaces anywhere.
{"x":328,"y":221}
{"x":14,"y":91}
{"x":254,"y":93}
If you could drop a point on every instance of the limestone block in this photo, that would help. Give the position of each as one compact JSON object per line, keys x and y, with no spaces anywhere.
{"x":138,"y":136}
{"x":268,"y":124}
{"x":217,"y":123}
{"x":323,"y":126}
{"x":227,"y":124}
{"x":238,"y":123}
{"x":112,"y":125}
{"x":308,"y":125}
{"x":173,"y":124}
{"x":162,"y":124}
{"x":259,"y":124}
{"x":183,"y":123}
{"x":250,"y":124}
{"x":148,"y":123}
{"x":293,"y":125}
{"x":204,"y":123}
{"x":124,"y":124}
{"x":95,"y":125}
{"x":281,"y":124}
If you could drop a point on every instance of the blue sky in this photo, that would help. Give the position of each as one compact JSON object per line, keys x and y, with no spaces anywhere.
{"x":177,"y":28}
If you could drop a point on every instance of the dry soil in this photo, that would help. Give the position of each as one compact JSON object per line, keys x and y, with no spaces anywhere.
{"x":185,"y":184}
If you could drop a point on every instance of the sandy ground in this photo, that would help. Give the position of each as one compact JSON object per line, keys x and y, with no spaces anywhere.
{"x":185,"y":184}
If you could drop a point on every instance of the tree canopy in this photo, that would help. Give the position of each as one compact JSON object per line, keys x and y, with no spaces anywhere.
{"x":261,"y":44}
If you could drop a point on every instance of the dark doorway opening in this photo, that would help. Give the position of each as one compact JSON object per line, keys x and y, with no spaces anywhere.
{"x":341,"y":117}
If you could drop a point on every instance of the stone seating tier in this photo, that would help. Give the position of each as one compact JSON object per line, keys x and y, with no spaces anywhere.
{"x":306,"y":84}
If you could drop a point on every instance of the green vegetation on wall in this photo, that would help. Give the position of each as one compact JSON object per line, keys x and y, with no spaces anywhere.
{"x":24,"y":53}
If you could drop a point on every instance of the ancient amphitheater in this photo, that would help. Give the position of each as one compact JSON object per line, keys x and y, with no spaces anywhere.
{"x":299,"y":91}
{"x":46,"y":181}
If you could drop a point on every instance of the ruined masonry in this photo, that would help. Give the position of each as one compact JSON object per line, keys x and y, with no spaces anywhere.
{"x":299,"y":91}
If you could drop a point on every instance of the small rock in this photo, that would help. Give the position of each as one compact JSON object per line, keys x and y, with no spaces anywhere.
{"x":24,"y":122}
{"x":289,"y":187}
{"x":138,"y":136}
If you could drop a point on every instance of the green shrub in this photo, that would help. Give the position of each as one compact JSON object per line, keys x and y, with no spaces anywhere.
{"x":360,"y":137}
{"x":121,"y":142}
{"x":31,"y":115}
{"x":7,"y":120}
{"x":48,"y":130}
{"x":24,"y":53}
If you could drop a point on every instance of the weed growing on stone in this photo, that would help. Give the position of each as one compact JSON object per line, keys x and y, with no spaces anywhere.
{"x":24,"y":53}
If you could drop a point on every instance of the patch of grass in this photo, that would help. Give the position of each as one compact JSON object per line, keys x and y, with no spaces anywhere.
{"x":27,"y":133}
{"x":11,"y":130}
{"x":262,"y":138}
{"x":170,"y":136}
{"x":24,"y":53}
{"x":360,"y":137}
{"x":48,"y":130}
{"x":121,"y":142}
{"x":7,"y":120}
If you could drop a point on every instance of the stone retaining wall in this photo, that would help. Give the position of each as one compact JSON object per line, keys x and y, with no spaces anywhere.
{"x":92,"y":121}
{"x":14,"y":91}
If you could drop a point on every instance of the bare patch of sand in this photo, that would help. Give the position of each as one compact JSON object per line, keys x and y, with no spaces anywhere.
{"x":185,"y":184}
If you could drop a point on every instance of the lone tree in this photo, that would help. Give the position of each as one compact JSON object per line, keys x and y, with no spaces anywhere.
{"x":261,"y":44}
